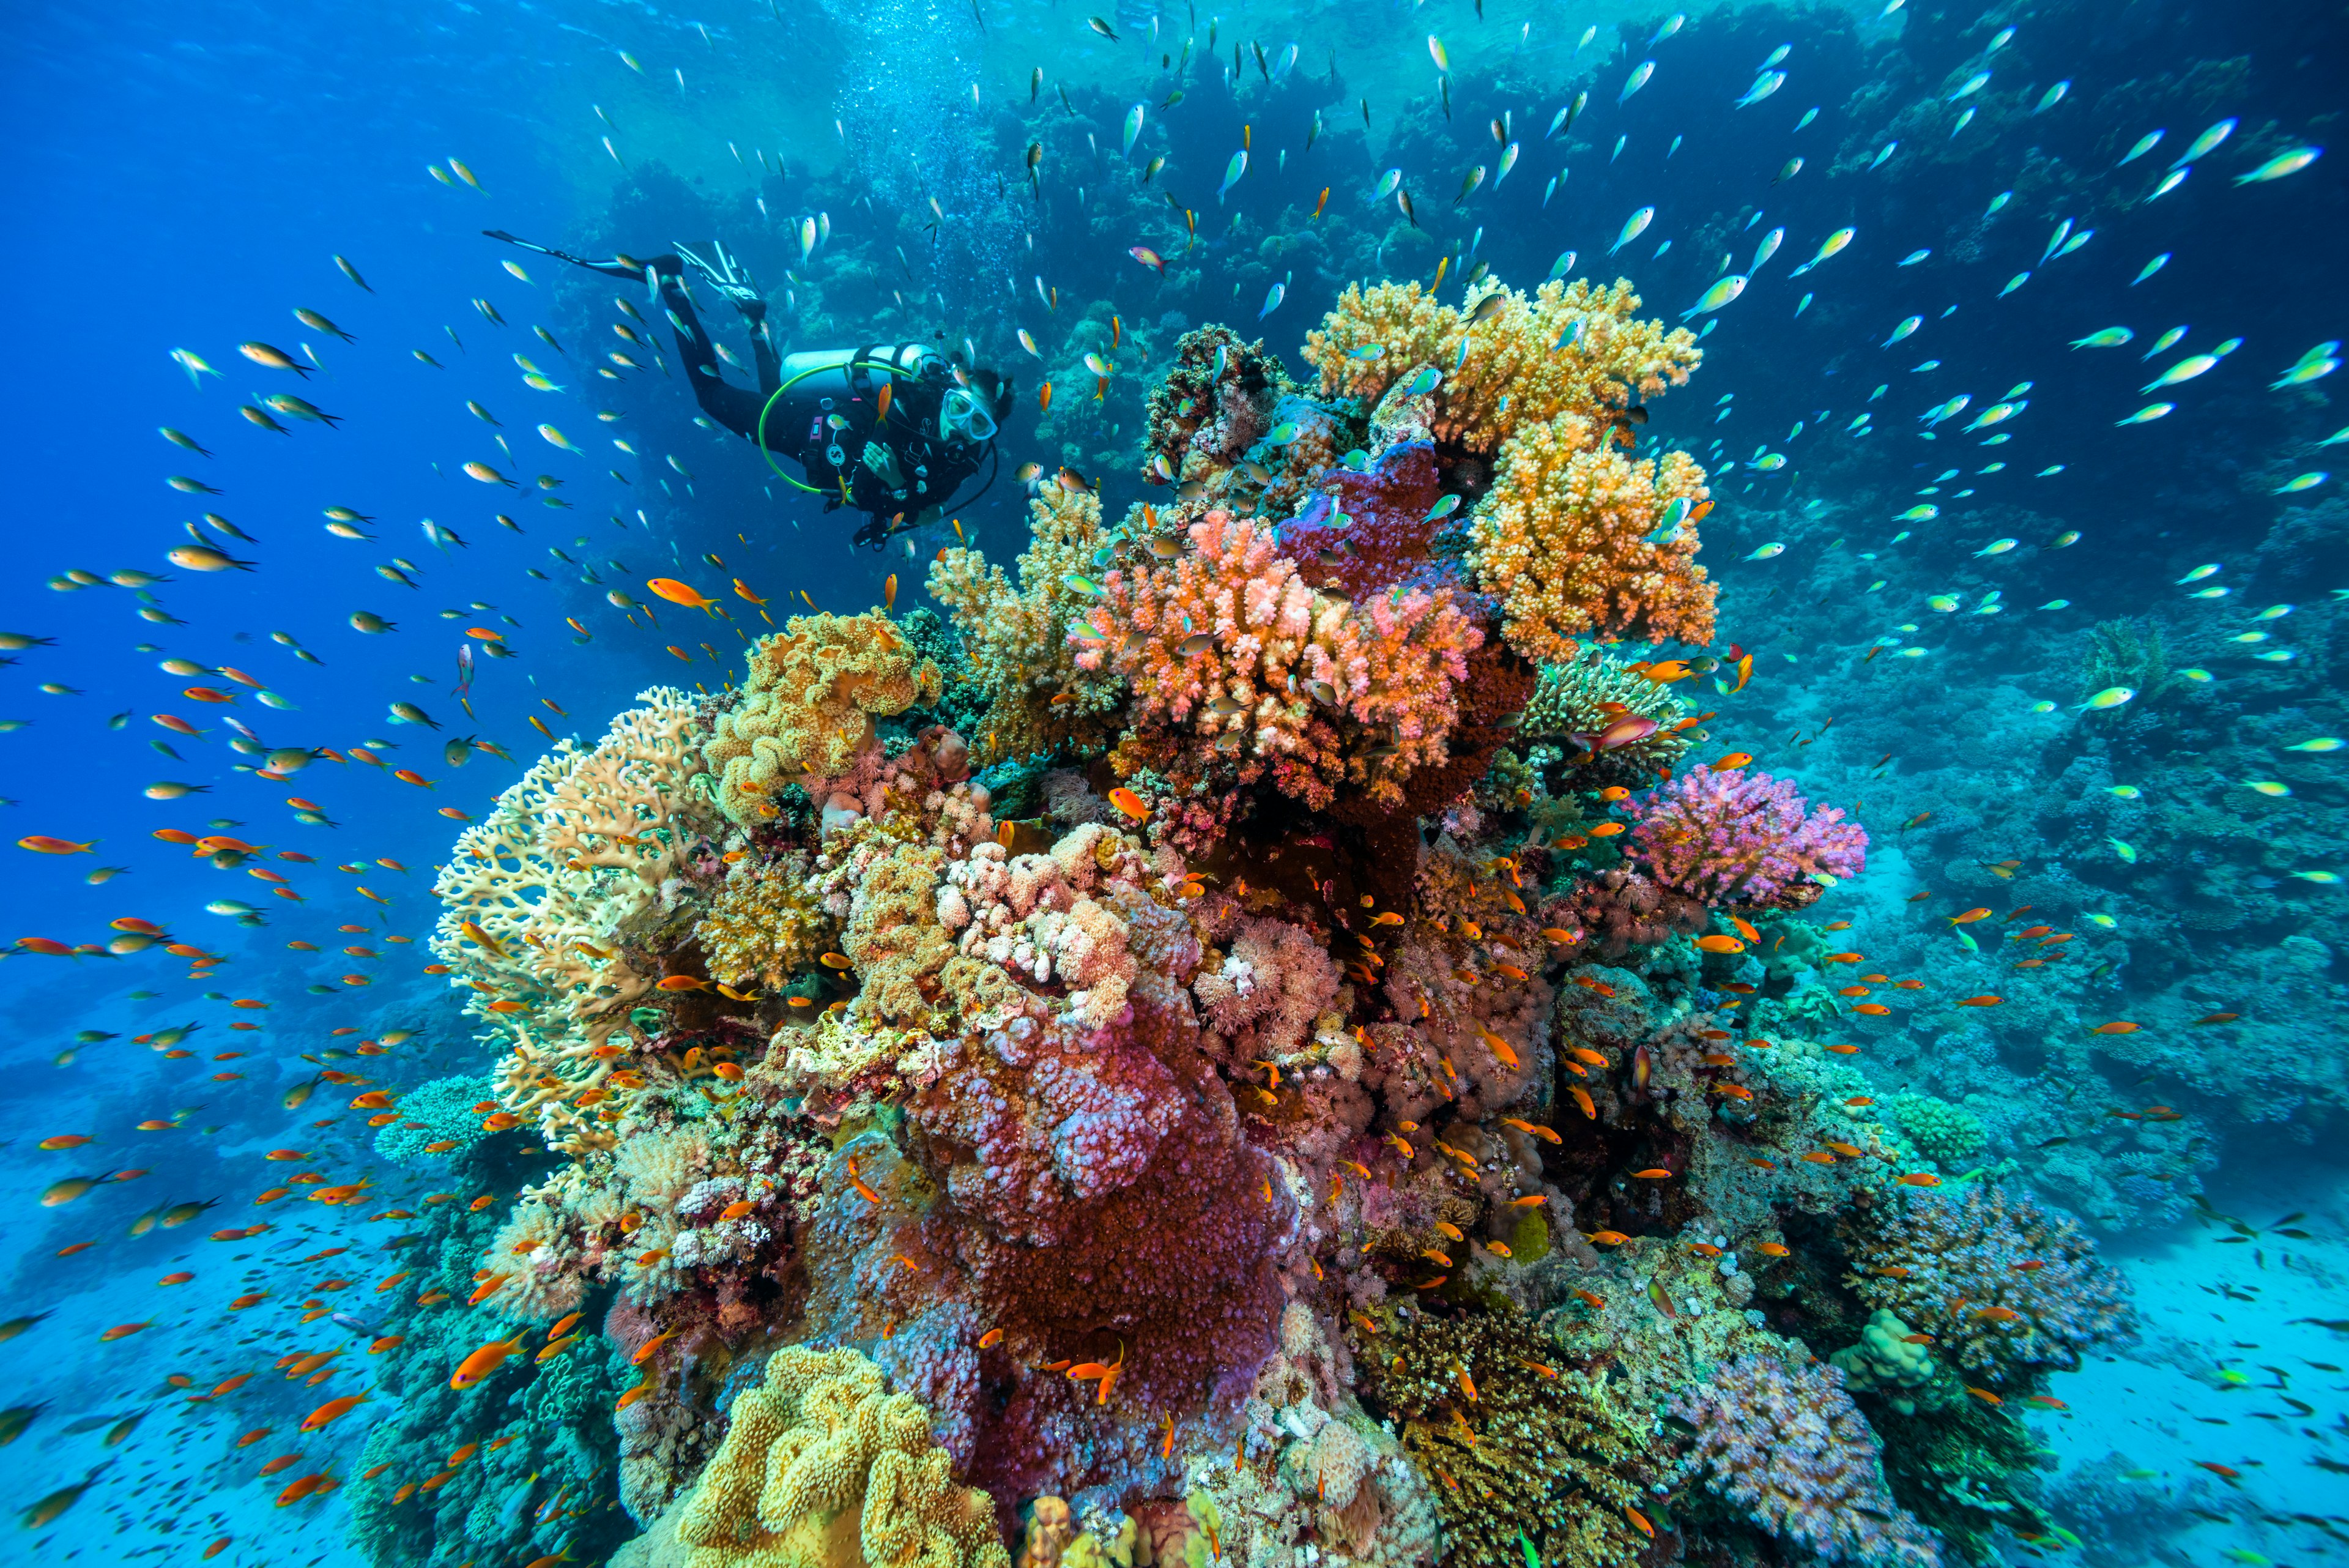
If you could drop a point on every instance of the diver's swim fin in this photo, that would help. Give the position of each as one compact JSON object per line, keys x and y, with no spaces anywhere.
{"x":618,"y":267}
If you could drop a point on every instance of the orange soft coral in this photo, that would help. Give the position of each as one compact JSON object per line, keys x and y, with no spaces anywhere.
{"x":807,"y":706}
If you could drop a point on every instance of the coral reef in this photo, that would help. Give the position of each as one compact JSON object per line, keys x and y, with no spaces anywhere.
{"x":1574,"y":539}
{"x":2004,"y":1286}
{"x":1266,"y":1114}
{"x":763,"y":925}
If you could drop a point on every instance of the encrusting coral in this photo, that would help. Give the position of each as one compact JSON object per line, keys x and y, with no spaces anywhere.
{"x":2005,"y":1287}
{"x":823,"y":1467}
{"x":1788,"y":1445}
{"x":1219,"y":1076}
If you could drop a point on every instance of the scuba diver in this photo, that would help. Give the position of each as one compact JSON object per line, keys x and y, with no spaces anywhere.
{"x":891,"y":430}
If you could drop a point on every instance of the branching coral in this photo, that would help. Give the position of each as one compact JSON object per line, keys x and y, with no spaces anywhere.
{"x":807,"y":706}
{"x":1037,"y":697}
{"x":1790,"y":1448}
{"x":1516,"y":1453}
{"x":1238,"y":668}
{"x":822,"y":1466}
{"x":439,"y":1116}
{"x":2001,"y":1283}
{"x":1570,"y":348}
{"x":1740,"y":838}
{"x":540,"y":898}
{"x":1574,"y":540}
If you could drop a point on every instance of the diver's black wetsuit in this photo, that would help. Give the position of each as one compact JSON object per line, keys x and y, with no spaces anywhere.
{"x":898,"y":461}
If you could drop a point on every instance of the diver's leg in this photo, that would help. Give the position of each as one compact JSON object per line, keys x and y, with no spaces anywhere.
{"x":762,"y":350}
{"x":734,"y":407}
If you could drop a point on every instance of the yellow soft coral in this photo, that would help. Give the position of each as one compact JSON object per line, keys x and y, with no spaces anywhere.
{"x":822,"y":1467}
{"x":1566,"y":539}
{"x":808,"y":707}
{"x":1016,"y":640}
{"x":1569,"y":349}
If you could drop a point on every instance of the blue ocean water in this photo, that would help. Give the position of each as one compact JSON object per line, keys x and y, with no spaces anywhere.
{"x":2029,"y":557}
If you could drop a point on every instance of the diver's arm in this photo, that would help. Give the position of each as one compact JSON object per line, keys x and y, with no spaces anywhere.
{"x":762,"y":351}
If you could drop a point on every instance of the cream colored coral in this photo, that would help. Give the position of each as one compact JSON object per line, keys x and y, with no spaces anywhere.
{"x":807,"y":706}
{"x":538,"y":897}
{"x":1568,"y":540}
{"x":823,"y":1468}
{"x":1568,"y":348}
{"x":1016,"y":641}
{"x":885,"y":892}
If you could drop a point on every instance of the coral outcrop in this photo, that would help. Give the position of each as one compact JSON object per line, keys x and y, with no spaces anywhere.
{"x":1038,"y":694}
{"x":1788,"y":1445}
{"x":1250,"y":1104}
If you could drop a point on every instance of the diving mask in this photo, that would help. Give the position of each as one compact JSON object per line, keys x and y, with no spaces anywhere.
{"x":962,"y":418}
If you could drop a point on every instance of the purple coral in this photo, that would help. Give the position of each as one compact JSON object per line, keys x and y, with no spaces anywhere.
{"x":1999,"y":1282}
{"x":1384,"y":538}
{"x":1735,"y":837}
{"x":1790,"y":1448}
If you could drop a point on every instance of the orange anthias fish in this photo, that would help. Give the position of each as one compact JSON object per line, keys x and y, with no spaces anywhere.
{"x":678,"y":593}
{"x":332,"y":1410}
{"x":485,"y":1361}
